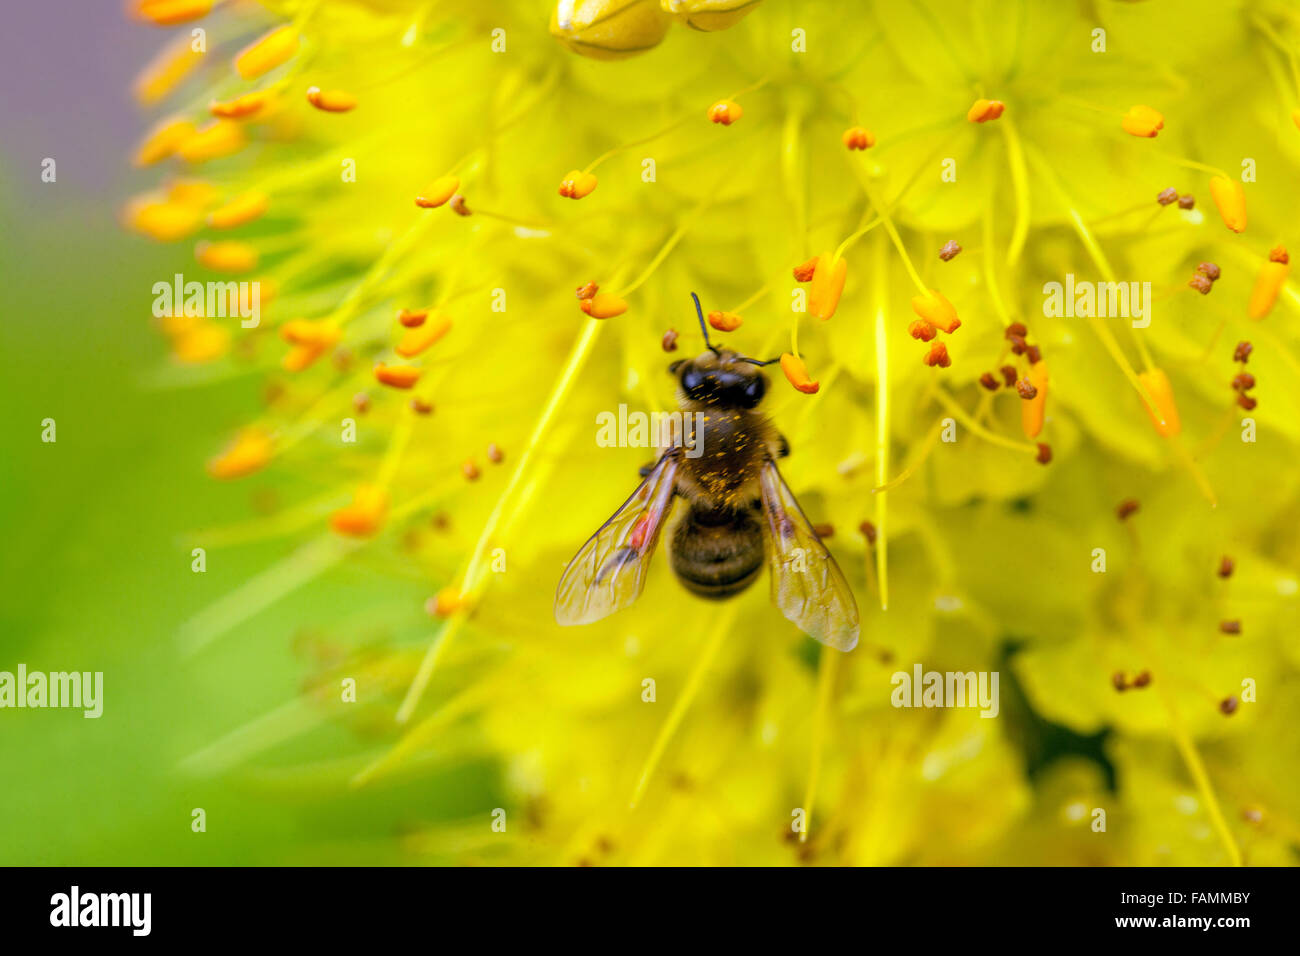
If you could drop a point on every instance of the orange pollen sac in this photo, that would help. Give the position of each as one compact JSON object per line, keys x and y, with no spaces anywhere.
{"x":796,"y":372}
{"x":164,"y":221}
{"x":163,"y":141}
{"x":437,"y":194}
{"x":168,"y":13}
{"x":725,"y":321}
{"x":1142,"y":121}
{"x":412,"y":318}
{"x":858,"y":137}
{"x":921,"y":330}
{"x":1268,"y":284}
{"x":300,"y":357}
{"x":445,"y":603}
{"x":577,"y":184}
{"x":1165,"y":415}
{"x":267,"y":53}
{"x":937,"y":310}
{"x":725,"y":112}
{"x":397,"y":376}
{"x":242,"y":209}
{"x":308,"y":332}
{"x":331,"y":101}
{"x":982,"y":111}
{"x":586,"y":290}
{"x":1033,"y":410}
{"x":805,"y":271}
{"x":249,"y":452}
{"x":241,"y":107}
{"x":416,"y":340}
{"x":1230,"y":200}
{"x":226,"y":255}
{"x":365,"y":515}
{"x":603,"y":306}
{"x":827,"y":285}
{"x":937,"y":356}
{"x":213,"y":141}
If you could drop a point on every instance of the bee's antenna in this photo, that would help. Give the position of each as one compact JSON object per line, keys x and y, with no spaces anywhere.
{"x":771,"y":361}
{"x":703,"y":327}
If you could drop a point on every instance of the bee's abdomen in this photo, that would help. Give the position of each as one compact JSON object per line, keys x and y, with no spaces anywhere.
{"x":717,"y":554}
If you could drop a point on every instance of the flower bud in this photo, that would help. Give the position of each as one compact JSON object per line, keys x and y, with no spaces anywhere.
{"x":708,"y":15}
{"x":609,"y":29}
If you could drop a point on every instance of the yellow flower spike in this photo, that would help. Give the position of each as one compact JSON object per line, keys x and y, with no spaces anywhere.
{"x":709,"y":15}
{"x":1230,"y":200}
{"x":725,"y":112}
{"x":248,"y":452}
{"x":301,"y":357}
{"x":168,"y":13}
{"x":331,"y":101}
{"x":1269,"y":283}
{"x":609,"y":29}
{"x":163,"y":141}
{"x":213,"y":141}
{"x":934,"y":308}
{"x":416,"y":340}
{"x":1142,"y":121}
{"x":397,"y":376}
{"x":603,"y":305}
{"x":796,"y":372}
{"x":1033,"y":410}
{"x":577,"y":184}
{"x":204,"y":342}
{"x":244,"y":208}
{"x":1156,"y":382}
{"x":309,"y":332}
{"x":226,"y":255}
{"x":365,"y":515}
{"x":166,"y":71}
{"x":241,"y":107}
{"x":265,"y":54}
{"x":164,"y":221}
{"x":827,"y":284}
{"x":725,"y":321}
{"x":982,"y":111}
{"x":858,"y":137}
{"x":437,"y":194}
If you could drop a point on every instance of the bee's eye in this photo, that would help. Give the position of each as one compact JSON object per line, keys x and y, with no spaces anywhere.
{"x":696,"y":384}
{"x":754,"y":391}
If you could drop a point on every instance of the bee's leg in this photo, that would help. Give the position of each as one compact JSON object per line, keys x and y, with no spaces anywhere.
{"x":782,"y":447}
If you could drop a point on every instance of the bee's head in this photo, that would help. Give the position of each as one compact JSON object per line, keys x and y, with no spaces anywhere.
{"x":720,"y":376}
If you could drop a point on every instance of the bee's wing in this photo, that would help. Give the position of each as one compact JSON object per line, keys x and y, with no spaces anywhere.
{"x":608,"y":572}
{"x":807,"y":585}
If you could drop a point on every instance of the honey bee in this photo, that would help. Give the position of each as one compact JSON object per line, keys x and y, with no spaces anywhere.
{"x":739,"y":513}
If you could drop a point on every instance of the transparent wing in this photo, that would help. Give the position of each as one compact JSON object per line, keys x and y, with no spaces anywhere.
{"x":807,"y":585}
{"x":608,"y":572}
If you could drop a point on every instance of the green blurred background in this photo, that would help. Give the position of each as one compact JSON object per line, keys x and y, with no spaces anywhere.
{"x":96,"y":527}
